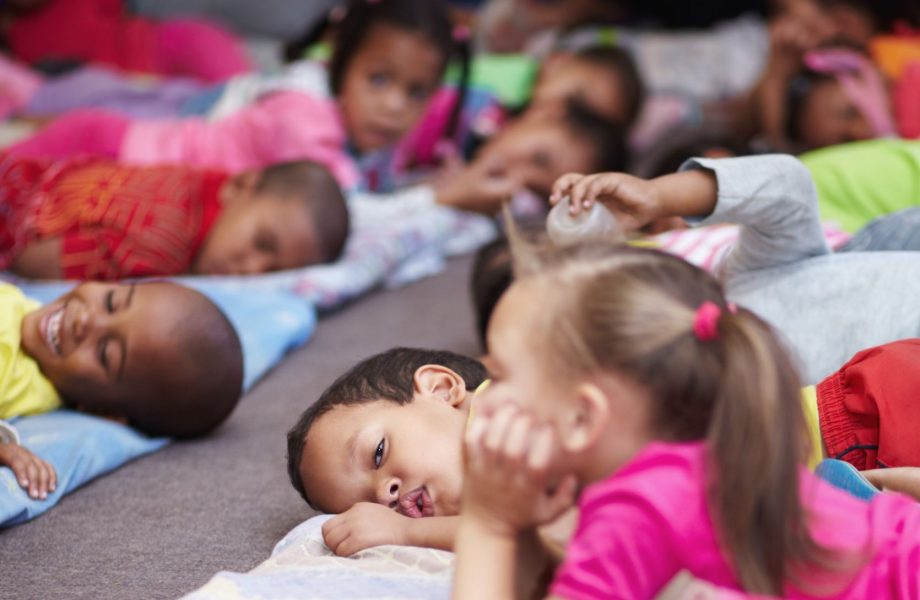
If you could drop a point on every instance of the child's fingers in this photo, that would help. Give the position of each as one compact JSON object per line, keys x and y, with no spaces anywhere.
{"x":44,"y":478}
{"x":540,"y":451}
{"x":52,"y":477}
{"x":33,"y":475}
{"x":498,"y":428}
{"x":516,"y":439}
{"x":339,"y":545}
{"x":335,"y":537}
{"x":562,"y":187}
{"x":20,"y":469}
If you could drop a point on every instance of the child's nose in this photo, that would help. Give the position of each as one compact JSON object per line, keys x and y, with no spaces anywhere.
{"x":252,"y":264}
{"x":395,"y":100}
{"x":388,"y":494}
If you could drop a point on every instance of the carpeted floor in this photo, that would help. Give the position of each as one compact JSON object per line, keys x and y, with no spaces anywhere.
{"x":162,"y":526}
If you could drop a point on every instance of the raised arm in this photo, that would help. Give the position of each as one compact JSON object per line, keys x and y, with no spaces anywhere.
{"x":774,"y":199}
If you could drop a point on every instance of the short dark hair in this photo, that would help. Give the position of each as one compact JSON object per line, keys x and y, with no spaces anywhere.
{"x":430,"y":18}
{"x":491,"y":276}
{"x":386,"y":376}
{"x":315,"y":186}
{"x":608,"y":139}
{"x":199,"y":394}
{"x":619,"y":62}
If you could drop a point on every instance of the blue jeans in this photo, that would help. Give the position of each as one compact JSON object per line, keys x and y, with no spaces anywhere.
{"x":897,"y":231}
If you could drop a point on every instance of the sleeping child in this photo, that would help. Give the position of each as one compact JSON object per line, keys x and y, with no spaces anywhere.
{"x":356,"y":451}
{"x":159,"y":356}
{"x":89,"y":218}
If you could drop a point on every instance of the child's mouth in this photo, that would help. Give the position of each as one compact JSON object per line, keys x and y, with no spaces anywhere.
{"x":416,"y":504}
{"x":51,"y":329}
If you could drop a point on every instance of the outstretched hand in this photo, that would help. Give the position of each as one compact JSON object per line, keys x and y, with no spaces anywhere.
{"x":507,"y":483}
{"x":482,"y":186}
{"x":634,"y":201}
{"x":33,"y":474}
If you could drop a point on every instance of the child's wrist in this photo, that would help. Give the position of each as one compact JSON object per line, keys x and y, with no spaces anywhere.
{"x":490,"y":526}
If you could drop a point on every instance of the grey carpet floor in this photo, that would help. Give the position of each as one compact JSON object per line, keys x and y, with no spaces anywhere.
{"x":163,"y":525}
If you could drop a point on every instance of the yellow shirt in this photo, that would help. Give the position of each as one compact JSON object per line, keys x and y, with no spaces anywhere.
{"x":23,"y":388}
{"x":810,"y":404}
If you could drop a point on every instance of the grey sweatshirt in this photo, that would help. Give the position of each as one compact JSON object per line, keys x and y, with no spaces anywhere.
{"x":827,"y":306}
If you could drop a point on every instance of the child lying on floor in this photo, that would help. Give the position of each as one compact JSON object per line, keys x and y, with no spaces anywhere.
{"x":158,"y":355}
{"x":843,"y":302}
{"x":355,"y":451}
{"x":96,"y":219}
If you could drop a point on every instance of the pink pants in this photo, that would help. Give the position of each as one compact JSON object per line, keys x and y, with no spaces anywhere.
{"x":87,"y":132}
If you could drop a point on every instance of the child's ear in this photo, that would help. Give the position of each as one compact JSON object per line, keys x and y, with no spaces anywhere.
{"x":439,"y":382}
{"x":585,"y":420}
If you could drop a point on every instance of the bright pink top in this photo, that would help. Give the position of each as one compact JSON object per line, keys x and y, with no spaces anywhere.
{"x":280,"y":127}
{"x":648,"y":521}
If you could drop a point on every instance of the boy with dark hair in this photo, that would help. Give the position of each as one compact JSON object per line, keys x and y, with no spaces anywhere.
{"x":158,"y":355}
{"x":373,"y":447}
{"x":97,"y":219}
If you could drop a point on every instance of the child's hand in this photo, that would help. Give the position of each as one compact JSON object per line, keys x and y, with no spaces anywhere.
{"x":364,"y":525}
{"x":479,"y":187}
{"x":635,"y":202}
{"x":33,"y":474}
{"x":507,"y":485}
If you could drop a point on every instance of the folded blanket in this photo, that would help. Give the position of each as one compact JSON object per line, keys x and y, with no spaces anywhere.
{"x":301,"y":566}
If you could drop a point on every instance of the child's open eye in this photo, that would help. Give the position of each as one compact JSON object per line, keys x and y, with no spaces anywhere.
{"x":378,"y":454}
{"x":379,"y":79}
{"x":110,"y":301}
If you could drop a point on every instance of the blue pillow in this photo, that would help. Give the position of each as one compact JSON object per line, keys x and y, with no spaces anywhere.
{"x":81,"y":447}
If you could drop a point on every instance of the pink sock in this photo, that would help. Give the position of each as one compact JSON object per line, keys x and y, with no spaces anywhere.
{"x":93,"y":132}
{"x":199,"y":49}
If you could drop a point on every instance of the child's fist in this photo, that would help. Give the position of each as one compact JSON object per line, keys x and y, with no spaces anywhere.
{"x":34,"y":475}
{"x":634,"y":201}
{"x":507,"y":483}
{"x":364,"y":525}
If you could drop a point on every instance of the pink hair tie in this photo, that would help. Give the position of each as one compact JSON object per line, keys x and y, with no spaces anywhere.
{"x":706,"y":322}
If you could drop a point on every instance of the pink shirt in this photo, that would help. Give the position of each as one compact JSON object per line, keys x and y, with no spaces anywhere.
{"x":280,"y":127}
{"x":641,"y":526}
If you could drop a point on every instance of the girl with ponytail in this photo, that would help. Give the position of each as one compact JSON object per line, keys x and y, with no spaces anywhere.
{"x":625,"y":377}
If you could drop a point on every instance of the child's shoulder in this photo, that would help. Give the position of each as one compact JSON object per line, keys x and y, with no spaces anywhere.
{"x":662,"y":478}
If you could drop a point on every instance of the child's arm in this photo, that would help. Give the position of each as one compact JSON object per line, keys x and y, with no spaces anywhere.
{"x":40,"y":260}
{"x":368,"y":524}
{"x":773,"y":196}
{"x":34,"y":475}
{"x":905,"y":480}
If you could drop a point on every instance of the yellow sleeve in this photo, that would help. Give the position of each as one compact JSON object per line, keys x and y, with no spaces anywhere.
{"x":810,"y":406}
{"x":23,"y":388}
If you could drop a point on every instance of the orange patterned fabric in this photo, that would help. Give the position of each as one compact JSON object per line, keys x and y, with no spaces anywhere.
{"x":114,"y":221}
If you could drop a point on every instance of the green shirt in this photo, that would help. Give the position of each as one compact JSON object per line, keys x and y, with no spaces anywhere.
{"x":860,"y":181}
